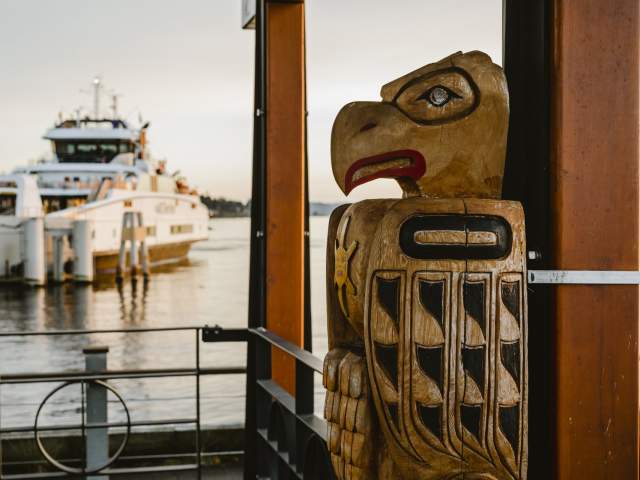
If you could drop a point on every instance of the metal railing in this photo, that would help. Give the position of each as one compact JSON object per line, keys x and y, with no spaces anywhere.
{"x":284,"y":437}
{"x":87,"y":379}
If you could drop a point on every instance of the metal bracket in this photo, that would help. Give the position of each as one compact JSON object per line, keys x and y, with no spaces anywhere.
{"x":584,"y":277}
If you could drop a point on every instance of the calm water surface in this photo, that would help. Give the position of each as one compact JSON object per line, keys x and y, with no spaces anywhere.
{"x":210,"y":288}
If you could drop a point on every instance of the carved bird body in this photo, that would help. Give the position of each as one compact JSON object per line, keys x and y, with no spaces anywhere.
{"x":427,"y":371}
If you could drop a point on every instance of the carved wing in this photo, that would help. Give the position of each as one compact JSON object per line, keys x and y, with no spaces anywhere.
{"x":348,"y":409}
{"x":446,"y":337}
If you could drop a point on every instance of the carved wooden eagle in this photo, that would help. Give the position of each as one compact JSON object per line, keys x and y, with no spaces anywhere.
{"x":426,"y":375}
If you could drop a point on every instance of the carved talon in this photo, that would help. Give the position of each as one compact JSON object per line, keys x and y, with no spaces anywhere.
{"x":349,"y":414}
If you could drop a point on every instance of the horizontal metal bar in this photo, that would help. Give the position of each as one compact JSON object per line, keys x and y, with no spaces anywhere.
{"x":54,"y":428}
{"x":109,"y":471}
{"x":304,"y":356}
{"x":219,"y":334}
{"x":93,"y":332}
{"x":277,"y":451}
{"x":132,"y":458}
{"x":584,"y":277}
{"x":22,"y":378}
{"x":283,"y":397}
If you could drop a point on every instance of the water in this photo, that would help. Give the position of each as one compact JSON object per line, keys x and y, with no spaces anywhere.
{"x":210,"y":288}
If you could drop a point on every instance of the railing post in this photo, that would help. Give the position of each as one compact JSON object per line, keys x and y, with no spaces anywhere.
{"x":304,"y":406}
{"x":97,"y":439}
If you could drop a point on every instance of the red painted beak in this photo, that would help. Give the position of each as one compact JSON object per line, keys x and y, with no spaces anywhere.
{"x":398,"y":164}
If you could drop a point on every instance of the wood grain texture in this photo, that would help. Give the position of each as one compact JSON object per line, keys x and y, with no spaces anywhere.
{"x":596,"y":227}
{"x":427,"y":300}
{"x":285,"y":181}
{"x":418,"y":424}
{"x":441,"y":131}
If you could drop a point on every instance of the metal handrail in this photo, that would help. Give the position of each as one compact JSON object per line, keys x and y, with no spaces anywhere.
{"x":215,"y":334}
{"x":293,"y":350}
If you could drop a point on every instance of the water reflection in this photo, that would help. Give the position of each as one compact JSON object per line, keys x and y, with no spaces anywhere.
{"x":210,"y":288}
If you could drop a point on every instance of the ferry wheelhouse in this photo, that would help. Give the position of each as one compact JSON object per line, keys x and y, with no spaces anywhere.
{"x":102,"y":174}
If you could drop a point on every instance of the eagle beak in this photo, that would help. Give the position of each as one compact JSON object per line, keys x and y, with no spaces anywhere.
{"x":365,"y":145}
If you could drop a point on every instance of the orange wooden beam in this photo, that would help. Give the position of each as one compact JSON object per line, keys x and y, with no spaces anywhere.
{"x":286,"y":112}
{"x":596,"y":168}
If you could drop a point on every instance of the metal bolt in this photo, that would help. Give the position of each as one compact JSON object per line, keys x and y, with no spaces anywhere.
{"x":259,"y":112}
{"x":259,"y":234}
{"x":534,"y":255}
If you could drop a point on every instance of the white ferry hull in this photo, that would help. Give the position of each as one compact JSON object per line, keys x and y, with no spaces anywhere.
{"x":171,"y":223}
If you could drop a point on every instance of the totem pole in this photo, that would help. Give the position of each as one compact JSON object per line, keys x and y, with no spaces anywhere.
{"x":426,"y":376}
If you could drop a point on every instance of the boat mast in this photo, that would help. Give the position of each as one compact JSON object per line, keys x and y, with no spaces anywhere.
{"x":97,"y":86}
{"x":114,"y":105}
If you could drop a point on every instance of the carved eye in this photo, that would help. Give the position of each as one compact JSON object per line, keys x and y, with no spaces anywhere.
{"x":438,"y":96}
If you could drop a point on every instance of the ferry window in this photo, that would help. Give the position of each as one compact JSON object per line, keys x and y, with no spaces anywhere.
{"x":53,"y":204}
{"x":108,"y":148}
{"x":7,"y":204}
{"x":87,"y":148}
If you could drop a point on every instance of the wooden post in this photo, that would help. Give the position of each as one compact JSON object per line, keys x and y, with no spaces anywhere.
{"x":595,"y":215}
{"x":285,"y":191}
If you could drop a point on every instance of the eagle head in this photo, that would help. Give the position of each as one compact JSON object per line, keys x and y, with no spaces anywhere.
{"x":440,"y":131}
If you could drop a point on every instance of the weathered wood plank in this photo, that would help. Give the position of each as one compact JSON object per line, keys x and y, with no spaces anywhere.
{"x":285,"y":181}
{"x":595,"y":213}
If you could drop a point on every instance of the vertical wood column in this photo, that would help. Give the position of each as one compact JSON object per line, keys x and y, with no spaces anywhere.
{"x":595,"y":215}
{"x":286,"y":111}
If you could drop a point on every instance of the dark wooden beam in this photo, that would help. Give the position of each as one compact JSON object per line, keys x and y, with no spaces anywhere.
{"x":527,"y":57}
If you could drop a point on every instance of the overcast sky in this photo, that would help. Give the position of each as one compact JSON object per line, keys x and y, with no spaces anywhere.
{"x":187,"y":67}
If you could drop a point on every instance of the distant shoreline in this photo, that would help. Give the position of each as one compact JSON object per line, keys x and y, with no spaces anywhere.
{"x":225,"y":208}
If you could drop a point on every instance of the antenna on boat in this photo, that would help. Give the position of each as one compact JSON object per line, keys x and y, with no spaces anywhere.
{"x":97,"y":86}
{"x":114,"y":104}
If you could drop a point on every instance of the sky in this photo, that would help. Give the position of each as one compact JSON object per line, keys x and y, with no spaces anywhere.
{"x":187,"y":67}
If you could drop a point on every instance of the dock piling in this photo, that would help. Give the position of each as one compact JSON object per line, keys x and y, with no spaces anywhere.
{"x":144,"y":251}
{"x":58,"y":258}
{"x":34,"y":265}
{"x":122,"y":256}
{"x":83,"y":251}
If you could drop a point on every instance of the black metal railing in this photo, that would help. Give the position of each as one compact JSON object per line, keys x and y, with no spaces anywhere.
{"x":77,"y":466}
{"x":286,"y":438}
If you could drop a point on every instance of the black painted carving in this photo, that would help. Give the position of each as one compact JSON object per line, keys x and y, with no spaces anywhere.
{"x":510,"y":425}
{"x":430,"y":361}
{"x":431,"y":416}
{"x":393,"y":411}
{"x":452,"y":118}
{"x":387,"y":356}
{"x":510,"y":355}
{"x":460,"y":223}
{"x":389,"y":296}
{"x":474,"y":302}
{"x":473,"y":362}
{"x":431,"y":297}
{"x":470,"y":416}
{"x":511,"y":297}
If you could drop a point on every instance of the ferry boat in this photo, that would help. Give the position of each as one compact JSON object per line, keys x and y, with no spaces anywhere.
{"x":102,"y":201}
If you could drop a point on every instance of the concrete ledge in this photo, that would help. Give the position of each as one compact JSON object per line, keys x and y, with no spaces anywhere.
{"x":220,"y":446}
